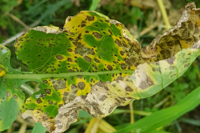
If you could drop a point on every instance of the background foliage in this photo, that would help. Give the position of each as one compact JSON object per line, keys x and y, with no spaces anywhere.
{"x":144,"y":20}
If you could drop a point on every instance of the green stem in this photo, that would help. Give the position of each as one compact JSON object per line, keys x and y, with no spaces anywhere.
{"x":27,"y":89}
{"x":164,"y":14}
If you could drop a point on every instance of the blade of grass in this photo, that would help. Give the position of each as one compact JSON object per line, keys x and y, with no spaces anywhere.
{"x":165,"y":116}
{"x":190,"y":121}
{"x":131,"y":113}
{"x":94,"y":5}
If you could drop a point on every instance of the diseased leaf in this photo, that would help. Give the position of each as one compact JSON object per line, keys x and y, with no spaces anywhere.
{"x":11,"y":98}
{"x":94,"y":64}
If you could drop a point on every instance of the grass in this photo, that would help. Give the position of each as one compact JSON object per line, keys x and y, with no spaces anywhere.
{"x":144,"y":22}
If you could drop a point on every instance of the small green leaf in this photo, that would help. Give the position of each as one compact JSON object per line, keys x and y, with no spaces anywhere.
{"x":11,"y":98}
{"x":38,"y":128}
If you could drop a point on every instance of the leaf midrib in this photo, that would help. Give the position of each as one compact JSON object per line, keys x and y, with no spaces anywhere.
{"x":59,"y":75}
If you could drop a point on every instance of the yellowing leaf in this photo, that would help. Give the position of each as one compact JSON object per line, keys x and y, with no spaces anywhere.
{"x":94,"y":64}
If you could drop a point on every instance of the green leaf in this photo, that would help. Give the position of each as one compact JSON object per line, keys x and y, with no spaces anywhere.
{"x":165,"y":116}
{"x":83,"y":114}
{"x":38,"y":128}
{"x":11,"y":98}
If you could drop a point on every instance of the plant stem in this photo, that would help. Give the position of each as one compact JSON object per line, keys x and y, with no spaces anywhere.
{"x":27,"y":89}
{"x":131,"y":113}
{"x":55,"y":75}
{"x":106,"y":127}
{"x":164,"y":14}
{"x":23,"y":128}
{"x":19,"y":34}
{"x":93,"y":125}
{"x":18,"y":20}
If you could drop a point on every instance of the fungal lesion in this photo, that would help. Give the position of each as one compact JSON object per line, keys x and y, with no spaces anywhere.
{"x":59,"y":84}
{"x":183,"y":35}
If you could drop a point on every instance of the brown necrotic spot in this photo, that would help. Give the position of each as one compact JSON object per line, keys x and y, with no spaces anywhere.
{"x":96,"y":108}
{"x":190,"y":26}
{"x":80,"y":49}
{"x":59,"y":126}
{"x":95,"y":67}
{"x":59,"y":84}
{"x":119,"y":78}
{"x":186,"y":65}
{"x":146,"y":82}
{"x":72,"y":97}
{"x":83,"y":25}
{"x":69,"y":59}
{"x":110,"y":32}
{"x":48,"y":91}
{"x":79,"y":76}
{"x":83,"y":97}
{"x":170,"y":60}
{"x":165,"y":53}
{"x":15,"y":96}
{"x":8,"y":94}
{"x":60,"y":105}
{"x":102,"y":98}
{"x":81,"y":85}
{"x":185,"y":34}
{"x":69,"y":18}
{"x":88,"y":59}
{"x":73,"y":86}
{"x":118,"y":42}
{"x":123,"y":66}
{"x":110,"y":67}
{"x":110,"y":109}
{"x":44,"y":118}
{"x":39,"y":101}
{"x":96,"y":60}
{"x":122,"y":53}
{"x":97,"y":35}
{"x":69,"y":50}
{"x":107,"y":21}
{"x":128,"y":88}
{"x":66,"y":93}
{"x":58,"y":121}
{"x":90,"y":18}
{"x":50,"y":102}
{"x":59,"y":57}
{"x":90,"y":51}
